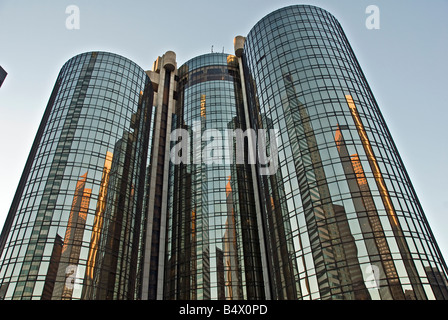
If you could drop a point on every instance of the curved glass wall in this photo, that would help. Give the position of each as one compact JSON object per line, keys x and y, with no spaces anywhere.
{"x":342,"y":217}
{"x":213,"y":248}
{"x":75,"y":228}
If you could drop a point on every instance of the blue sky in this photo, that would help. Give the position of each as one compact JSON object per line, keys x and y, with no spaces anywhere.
{"x":405,"y":63}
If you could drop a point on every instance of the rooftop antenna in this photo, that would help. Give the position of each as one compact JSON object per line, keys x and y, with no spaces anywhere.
{"x":222,"y":49}
{"x":212,"y":48}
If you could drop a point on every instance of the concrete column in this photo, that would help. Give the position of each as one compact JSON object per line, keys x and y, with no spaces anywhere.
{"x":171,"y":65}
{"x":239,"y":46}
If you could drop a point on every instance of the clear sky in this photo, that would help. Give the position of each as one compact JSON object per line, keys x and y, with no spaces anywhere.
{"x":405,"y":63}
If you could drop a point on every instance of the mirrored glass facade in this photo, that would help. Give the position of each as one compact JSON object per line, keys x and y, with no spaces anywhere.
{"x":141,"y":185}
{"x":342,"y":218}
{"x":213,"y":248}
{"x":75,"y":223}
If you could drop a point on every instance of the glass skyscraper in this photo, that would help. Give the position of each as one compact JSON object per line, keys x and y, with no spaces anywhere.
{"x":110,"y":207}
{"x":343,"y":199}
{"x":74,"y":230}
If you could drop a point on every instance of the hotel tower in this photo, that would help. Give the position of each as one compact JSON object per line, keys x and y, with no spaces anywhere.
{"x":110,"y":207}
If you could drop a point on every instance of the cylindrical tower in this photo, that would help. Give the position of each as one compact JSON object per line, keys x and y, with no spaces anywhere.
{"x":213,"y":247}
{"x":74,"y":228}
{"x":342,"y":218}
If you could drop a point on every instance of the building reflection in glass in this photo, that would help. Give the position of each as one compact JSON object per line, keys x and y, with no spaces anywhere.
{"x":417,"y":291}
{"x":97,"y":228}
{"x":95,"y":218}
{"x":369,"y":219}
{"x":213,"y":243}
{"x":332,"y":244}
{"x":348,"y":207}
